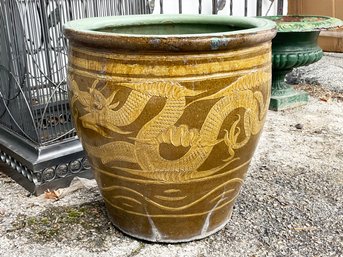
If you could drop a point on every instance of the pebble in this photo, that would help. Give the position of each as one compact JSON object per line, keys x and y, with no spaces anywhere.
{"x":299,"y":126}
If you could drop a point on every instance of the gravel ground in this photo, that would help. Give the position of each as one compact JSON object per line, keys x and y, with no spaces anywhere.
{"x":290,"y":205}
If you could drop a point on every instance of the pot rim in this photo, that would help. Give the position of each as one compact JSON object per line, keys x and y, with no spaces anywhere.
{"x":255,"y":30}
{"x":308,"y":25}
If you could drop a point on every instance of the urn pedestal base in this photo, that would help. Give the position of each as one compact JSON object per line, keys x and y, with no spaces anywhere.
{"x":290,"y":99}
{"x":284,"y":96}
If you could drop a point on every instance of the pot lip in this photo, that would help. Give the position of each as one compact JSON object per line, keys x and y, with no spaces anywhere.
{"x":310,"y":23}
{"x":83,"y":31}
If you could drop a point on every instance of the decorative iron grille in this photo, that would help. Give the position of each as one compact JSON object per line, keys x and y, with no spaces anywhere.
{"x":33,"y":60}
{"x":234,"y":7}
{"x":37,"y":137}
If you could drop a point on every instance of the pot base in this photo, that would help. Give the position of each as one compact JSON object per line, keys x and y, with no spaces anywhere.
{"x":161,"y":239}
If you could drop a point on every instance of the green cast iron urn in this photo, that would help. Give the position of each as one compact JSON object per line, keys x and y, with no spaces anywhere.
{"x":295,"y":45}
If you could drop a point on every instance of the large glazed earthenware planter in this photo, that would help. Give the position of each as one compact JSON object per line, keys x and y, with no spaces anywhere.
{"x":169,"y":110}
{"x":295,"y":45}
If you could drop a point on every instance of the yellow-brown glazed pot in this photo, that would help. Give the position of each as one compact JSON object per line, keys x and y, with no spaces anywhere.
{"x":169,"y":110}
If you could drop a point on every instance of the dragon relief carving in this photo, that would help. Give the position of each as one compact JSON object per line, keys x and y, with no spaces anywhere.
{"x":103,"y":114}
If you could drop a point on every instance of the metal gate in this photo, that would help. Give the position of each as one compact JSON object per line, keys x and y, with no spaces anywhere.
{"x":37,"y":138}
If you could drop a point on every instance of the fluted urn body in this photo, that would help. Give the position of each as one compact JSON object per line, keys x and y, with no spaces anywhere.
{"x":169,"y":110}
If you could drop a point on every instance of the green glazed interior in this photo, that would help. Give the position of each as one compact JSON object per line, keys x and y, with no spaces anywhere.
{"x":170,"y":29}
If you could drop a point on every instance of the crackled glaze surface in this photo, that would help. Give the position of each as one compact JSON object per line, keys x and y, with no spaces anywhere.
{"x":304,"y":23}
{"x":170,"y":134}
